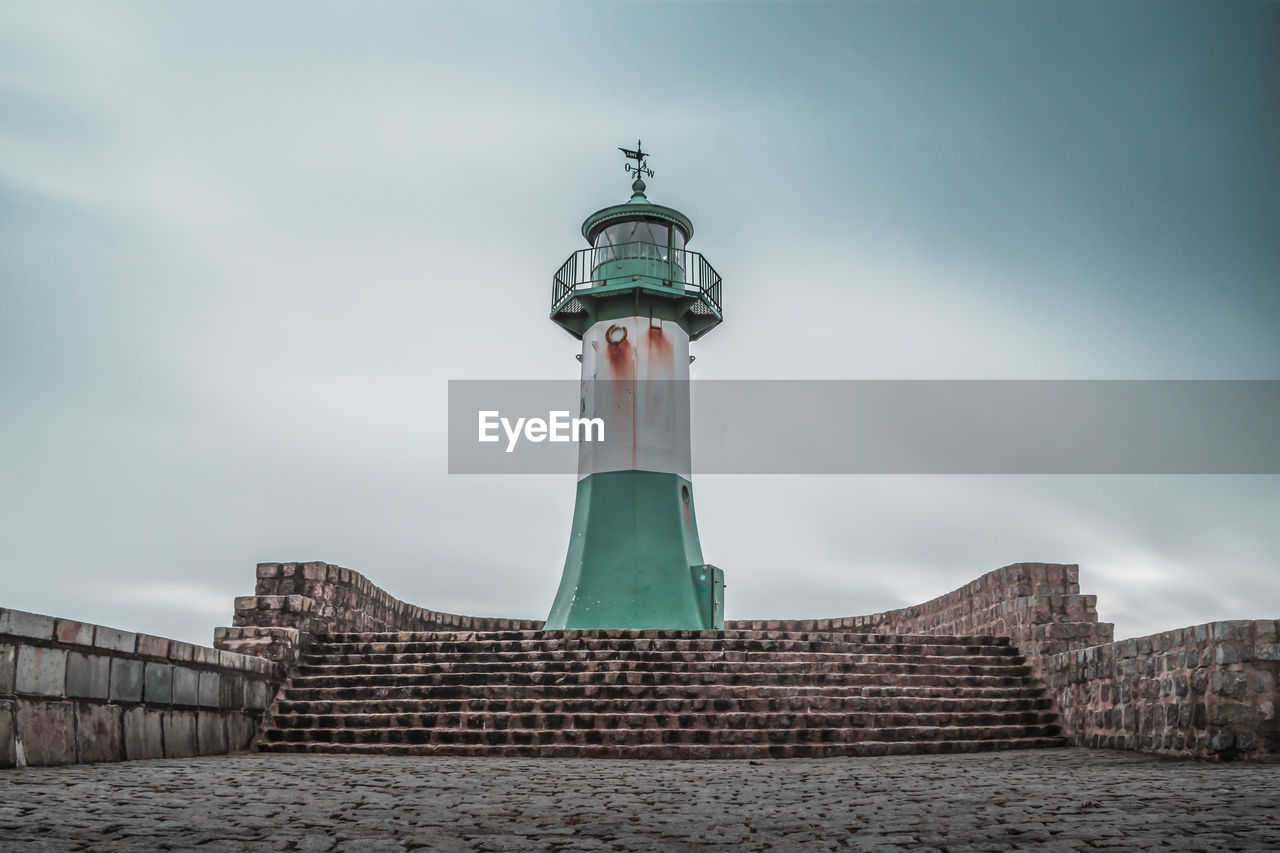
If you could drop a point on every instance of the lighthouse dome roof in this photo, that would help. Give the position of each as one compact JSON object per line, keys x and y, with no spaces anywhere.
{"x":638,"y":207}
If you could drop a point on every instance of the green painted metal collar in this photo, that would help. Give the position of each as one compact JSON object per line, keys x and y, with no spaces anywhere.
{"x":638,"y":207}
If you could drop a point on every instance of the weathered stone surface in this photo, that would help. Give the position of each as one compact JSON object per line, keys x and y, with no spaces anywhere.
{"x":257,"y":695}
{"x":19,"y":623}
{"x":75,"y":633}
{"x":152,"y":646}
{"x":209,"y":690}
{"x":8,"y":667}
{"x":41,"y":671}
{"x":94,"y":694}
{"x":143,"y":733}
{"x":97,"y":732}
{"x":45,"y":732}
{"x":180,"y":734}
{"x":1201,"y":691}
{"x":126,"y":680}
{"x":114,"y":639}
{"x":211,"y":733}
{"x":186,"y":686}
{"x":241,"y":729}
{"x":157,"y":683}
{"x":88,"y":675}
{"x":231,"y":690}
{"x":8,"y":752}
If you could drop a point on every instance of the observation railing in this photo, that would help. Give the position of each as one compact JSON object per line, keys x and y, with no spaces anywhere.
{"x":605,"y":266}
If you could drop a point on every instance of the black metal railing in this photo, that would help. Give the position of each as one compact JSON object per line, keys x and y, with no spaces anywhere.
{"x":677,"y":269}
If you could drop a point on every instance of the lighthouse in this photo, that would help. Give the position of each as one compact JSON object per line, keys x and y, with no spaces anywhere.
{"x":636,"y":297}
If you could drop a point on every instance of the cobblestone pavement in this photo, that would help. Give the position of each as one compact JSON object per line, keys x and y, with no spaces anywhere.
{"x":1065,"y":799}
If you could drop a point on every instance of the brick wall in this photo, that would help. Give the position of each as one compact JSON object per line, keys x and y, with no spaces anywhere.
{"x":72,"y":692}
{"x":1207,"y":691}
{"x":293,"y":601}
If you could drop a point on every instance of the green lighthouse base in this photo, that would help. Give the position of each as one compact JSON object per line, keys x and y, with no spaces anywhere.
{"x":634,"y":560}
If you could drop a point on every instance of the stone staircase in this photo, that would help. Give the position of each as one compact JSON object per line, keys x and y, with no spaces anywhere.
{"x":659,"y":694}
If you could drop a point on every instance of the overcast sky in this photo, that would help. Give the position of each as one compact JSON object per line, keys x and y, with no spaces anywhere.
{"x":244,"y":246}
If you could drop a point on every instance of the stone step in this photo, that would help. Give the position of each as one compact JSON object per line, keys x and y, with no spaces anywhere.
{"x":657,"y":678}
{"x":291,"y":692}
{"x":942,"y":646}
{"x":749,"y":703}
{"x":719,"y":722}
{"x":501,"y":668}
{"x":655,"y":657}
{"x":654,"y":736}
{"x":633,"y":636}
{"x":682,"y":751}
{"x":655,"y":694}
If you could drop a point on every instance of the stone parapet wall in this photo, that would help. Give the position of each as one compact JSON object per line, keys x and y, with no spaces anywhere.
{"x":1037,"y":605}
{"x":72,"y":692}
{"x":293,"y":601}
{"x":1205,"y":691}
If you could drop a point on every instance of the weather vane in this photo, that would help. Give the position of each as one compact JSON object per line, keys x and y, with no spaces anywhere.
{"x":639,"y":156}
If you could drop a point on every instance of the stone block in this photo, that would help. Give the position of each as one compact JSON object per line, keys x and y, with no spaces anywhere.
{"x":241,"y":729}
{"x":114,"y":639}
{"x":8,"y":667}
{"x":1266,"y":651}
{"x":210,"y":690}
{"x":211,"y":733}
{"x":268,"y":570}
{"x":247,"y":603}
{"x":157,"y":683}
{"x":45,"y":732}
{"x":1229,"y":682}
{"x":262,"y":666}
{"x":126,"y":680}
{"x":204,"y":654}
{"x":231,"y":690}
{"x":1232,"y":630}
{"x":1222,"y":741}
{"x":19,"y":623}
{"x":75,"y":633}
{"x":181,"y":652}
{"x":143,"y":733}
{"x":40,"y":671}
{"x":186,"y":686}
{"x":180,"y":734}
{"x":257,"y":695}
{"x":97,"y":733}
{"x":88,"y":676}
{"x":8,"y":752}
{"x":153,"y":646}
{"x":1262,"y":681}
